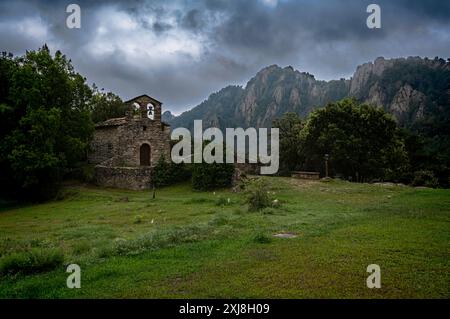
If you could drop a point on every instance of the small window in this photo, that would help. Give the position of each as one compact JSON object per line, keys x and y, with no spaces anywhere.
{"x":144,"y":128}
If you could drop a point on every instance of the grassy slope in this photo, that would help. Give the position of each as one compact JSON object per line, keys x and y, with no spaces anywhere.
{"x":342,"y":228}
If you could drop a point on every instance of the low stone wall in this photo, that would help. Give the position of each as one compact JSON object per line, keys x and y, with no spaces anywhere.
{"x":306,"y":175}
{"x":135,"y":178}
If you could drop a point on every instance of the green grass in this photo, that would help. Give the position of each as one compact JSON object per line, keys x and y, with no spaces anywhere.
{"x":186,"y":244}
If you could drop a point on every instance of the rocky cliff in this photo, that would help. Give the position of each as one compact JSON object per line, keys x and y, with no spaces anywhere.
{"x":275,"y":91}
{"x":411,"y":88}
{"x":408,"y":88}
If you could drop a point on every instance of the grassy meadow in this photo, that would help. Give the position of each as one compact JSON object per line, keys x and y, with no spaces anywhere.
{"x":186,"y":244}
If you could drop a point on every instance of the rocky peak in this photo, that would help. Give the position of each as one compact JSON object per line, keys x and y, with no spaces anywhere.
{"x":167,"y":116}
{"x":275,"y":90}
{"x":404,"y":87}
{"x":367,"y":72}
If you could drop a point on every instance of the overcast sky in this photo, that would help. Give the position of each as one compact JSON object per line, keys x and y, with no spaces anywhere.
{"x":181,"y":51}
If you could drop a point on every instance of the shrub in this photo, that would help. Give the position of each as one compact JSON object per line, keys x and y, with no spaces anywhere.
{"x":257,"y":195}
{"x":211,"y":176}
{"x":207,"y":176}
{"x":425,"y":178}
{"x":31,"y":261}
{"x":167,"y":173}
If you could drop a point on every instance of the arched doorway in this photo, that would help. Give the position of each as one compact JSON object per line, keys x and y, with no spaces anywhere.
{"x":145,"y":155}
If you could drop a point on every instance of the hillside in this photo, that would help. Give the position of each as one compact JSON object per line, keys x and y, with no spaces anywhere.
{"x":412,"y":89}
{"x":218,"y":110}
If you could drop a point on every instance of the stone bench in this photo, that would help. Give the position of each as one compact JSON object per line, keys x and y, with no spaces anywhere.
{"x":306,"y":175}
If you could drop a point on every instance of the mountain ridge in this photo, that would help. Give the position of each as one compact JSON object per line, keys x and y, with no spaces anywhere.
{"x":407,"y":88}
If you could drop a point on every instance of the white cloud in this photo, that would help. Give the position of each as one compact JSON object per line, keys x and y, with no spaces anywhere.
{"x":30,"y":27}
{"x":120,"y":33}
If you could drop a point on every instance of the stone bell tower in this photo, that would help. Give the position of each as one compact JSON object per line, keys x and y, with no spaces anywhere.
{"x":148,"y":107}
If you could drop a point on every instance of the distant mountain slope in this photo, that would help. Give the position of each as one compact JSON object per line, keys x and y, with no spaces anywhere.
{"x":217,"y":111}
{"x":167,"y":117}
{"x":275,"y":91}
{"x":411,"y":89}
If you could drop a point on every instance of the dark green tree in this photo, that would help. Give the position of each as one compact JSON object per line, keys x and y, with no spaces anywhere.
{"x":207,"y":176}
{"x":211,"y":176}
{"x":290,"y":126}
{"x":45,"y":121}
{"x":363,"y":142}
{"x":106,"y":105}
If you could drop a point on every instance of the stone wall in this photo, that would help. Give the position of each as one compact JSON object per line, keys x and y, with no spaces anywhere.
{"x":138,"y":132}
{"x":103,"y":145}
{"x":135,"y":178}
{"x":119,"y":145}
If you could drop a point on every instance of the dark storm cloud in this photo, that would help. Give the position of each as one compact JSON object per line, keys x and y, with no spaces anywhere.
{"x":193,"y":20}
{"x":180,"y":51}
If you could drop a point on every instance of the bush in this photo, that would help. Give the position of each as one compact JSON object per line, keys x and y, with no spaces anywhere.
{"x":32,"y":261}
{"x":167,"y":173}
{"x":425,"y":178}
{"x":257,"y":195}
{"x":211,"y":176}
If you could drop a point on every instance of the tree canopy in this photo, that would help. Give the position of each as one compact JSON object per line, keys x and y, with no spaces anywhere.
{"x":362,"y":142}
{"x":106,"y":105}
{"x":290,"y":126}
{"x":45,"y":121}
